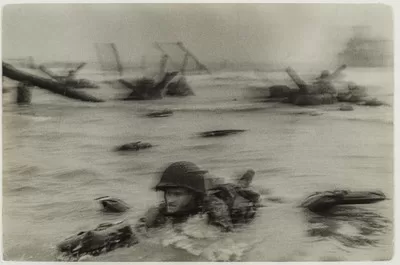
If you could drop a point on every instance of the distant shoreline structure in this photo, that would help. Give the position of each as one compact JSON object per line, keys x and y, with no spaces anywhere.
{"x":363,"y":50}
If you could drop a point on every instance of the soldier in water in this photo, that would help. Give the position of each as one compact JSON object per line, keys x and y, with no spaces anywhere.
{"x":323,"y":84}
{"x":185,"y":195}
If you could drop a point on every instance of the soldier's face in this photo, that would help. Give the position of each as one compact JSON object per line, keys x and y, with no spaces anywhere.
{"x":177,"y":199}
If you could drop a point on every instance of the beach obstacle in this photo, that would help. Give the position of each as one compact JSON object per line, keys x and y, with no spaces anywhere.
{"x":24,"y":93}
{"x":305,"y":95}
{"x":147,"y":88}
{"x":70,"y":80}
{"x":48,"y":84}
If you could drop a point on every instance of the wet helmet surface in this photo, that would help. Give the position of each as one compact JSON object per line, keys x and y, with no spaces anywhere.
{"x":325,"y":73}
{"x":183,"y":174}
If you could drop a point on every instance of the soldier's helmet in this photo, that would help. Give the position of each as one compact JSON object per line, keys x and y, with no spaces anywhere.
{"x":352,"y":86}
{"x":324,"y":74}
{"x":183,"y":174}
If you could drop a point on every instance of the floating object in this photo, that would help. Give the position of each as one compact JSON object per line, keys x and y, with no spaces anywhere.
{"x":136,"y":146}
{"x":112,"y":204}
{"x":346,"y":108}
{"x":324,"y":201}
{"x":104,"y":238}
{"x":218,"y":133}
{"x":373,"y":102}
{"x":160,"y":114}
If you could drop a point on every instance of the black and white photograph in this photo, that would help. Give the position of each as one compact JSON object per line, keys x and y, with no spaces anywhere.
{"x":197,"y":132}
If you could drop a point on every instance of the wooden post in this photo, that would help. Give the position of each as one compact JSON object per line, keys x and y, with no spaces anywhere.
{"x":24,"y":93}
{"x":31,"y":63}
{"x":120,"y":68}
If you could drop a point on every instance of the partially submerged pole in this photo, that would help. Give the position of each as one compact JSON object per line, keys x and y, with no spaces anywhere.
{"x":48,"y":72}
{"x":158,"y":46}
{"x":107,"y":55}
{"x":24,"y":93}
{"x":299,"y":82}
{"x":119,"y":65}
{"x":163,"y":64}
{"x":337,"y":72}
{"x":48,"y":84}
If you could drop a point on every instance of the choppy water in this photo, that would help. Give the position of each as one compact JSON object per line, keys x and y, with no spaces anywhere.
{"x":58,"y":157}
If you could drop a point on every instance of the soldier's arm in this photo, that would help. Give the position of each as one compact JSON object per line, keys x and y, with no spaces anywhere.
{"x":152,"y":218}
{"x":250,"y":195}
{"x":218,"y":213}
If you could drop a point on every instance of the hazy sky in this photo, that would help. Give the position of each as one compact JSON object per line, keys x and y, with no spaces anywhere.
{"x":237,"y":32}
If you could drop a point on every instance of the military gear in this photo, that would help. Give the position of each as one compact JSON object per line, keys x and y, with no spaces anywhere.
{"x":241,"y":202}
{"x":184,"y":175}
{"x":104,"y":238}
{"x":325,"y":74}
{"x":245,"y":180}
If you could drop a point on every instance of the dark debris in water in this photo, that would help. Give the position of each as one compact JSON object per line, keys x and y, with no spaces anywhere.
{"x":219,"y":133}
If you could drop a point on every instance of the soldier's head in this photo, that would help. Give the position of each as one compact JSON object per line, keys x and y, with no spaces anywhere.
{"x":324,"y":74}
{"x":352,"y":86}
{"x":245,"y":180}
{"x":71,"y":73}
{"x":183,"y":186}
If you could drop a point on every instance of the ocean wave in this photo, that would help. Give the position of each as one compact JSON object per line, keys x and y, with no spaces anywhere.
{"x":71,"y":174}
{"x":226,"y":108}
{"x":374,"y":120}
{"x":200,"y":239}
{"x":26,"y":116}
{"x":24,"y":189}
{"x":23,"y":170}
{"x":351,"y":226}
